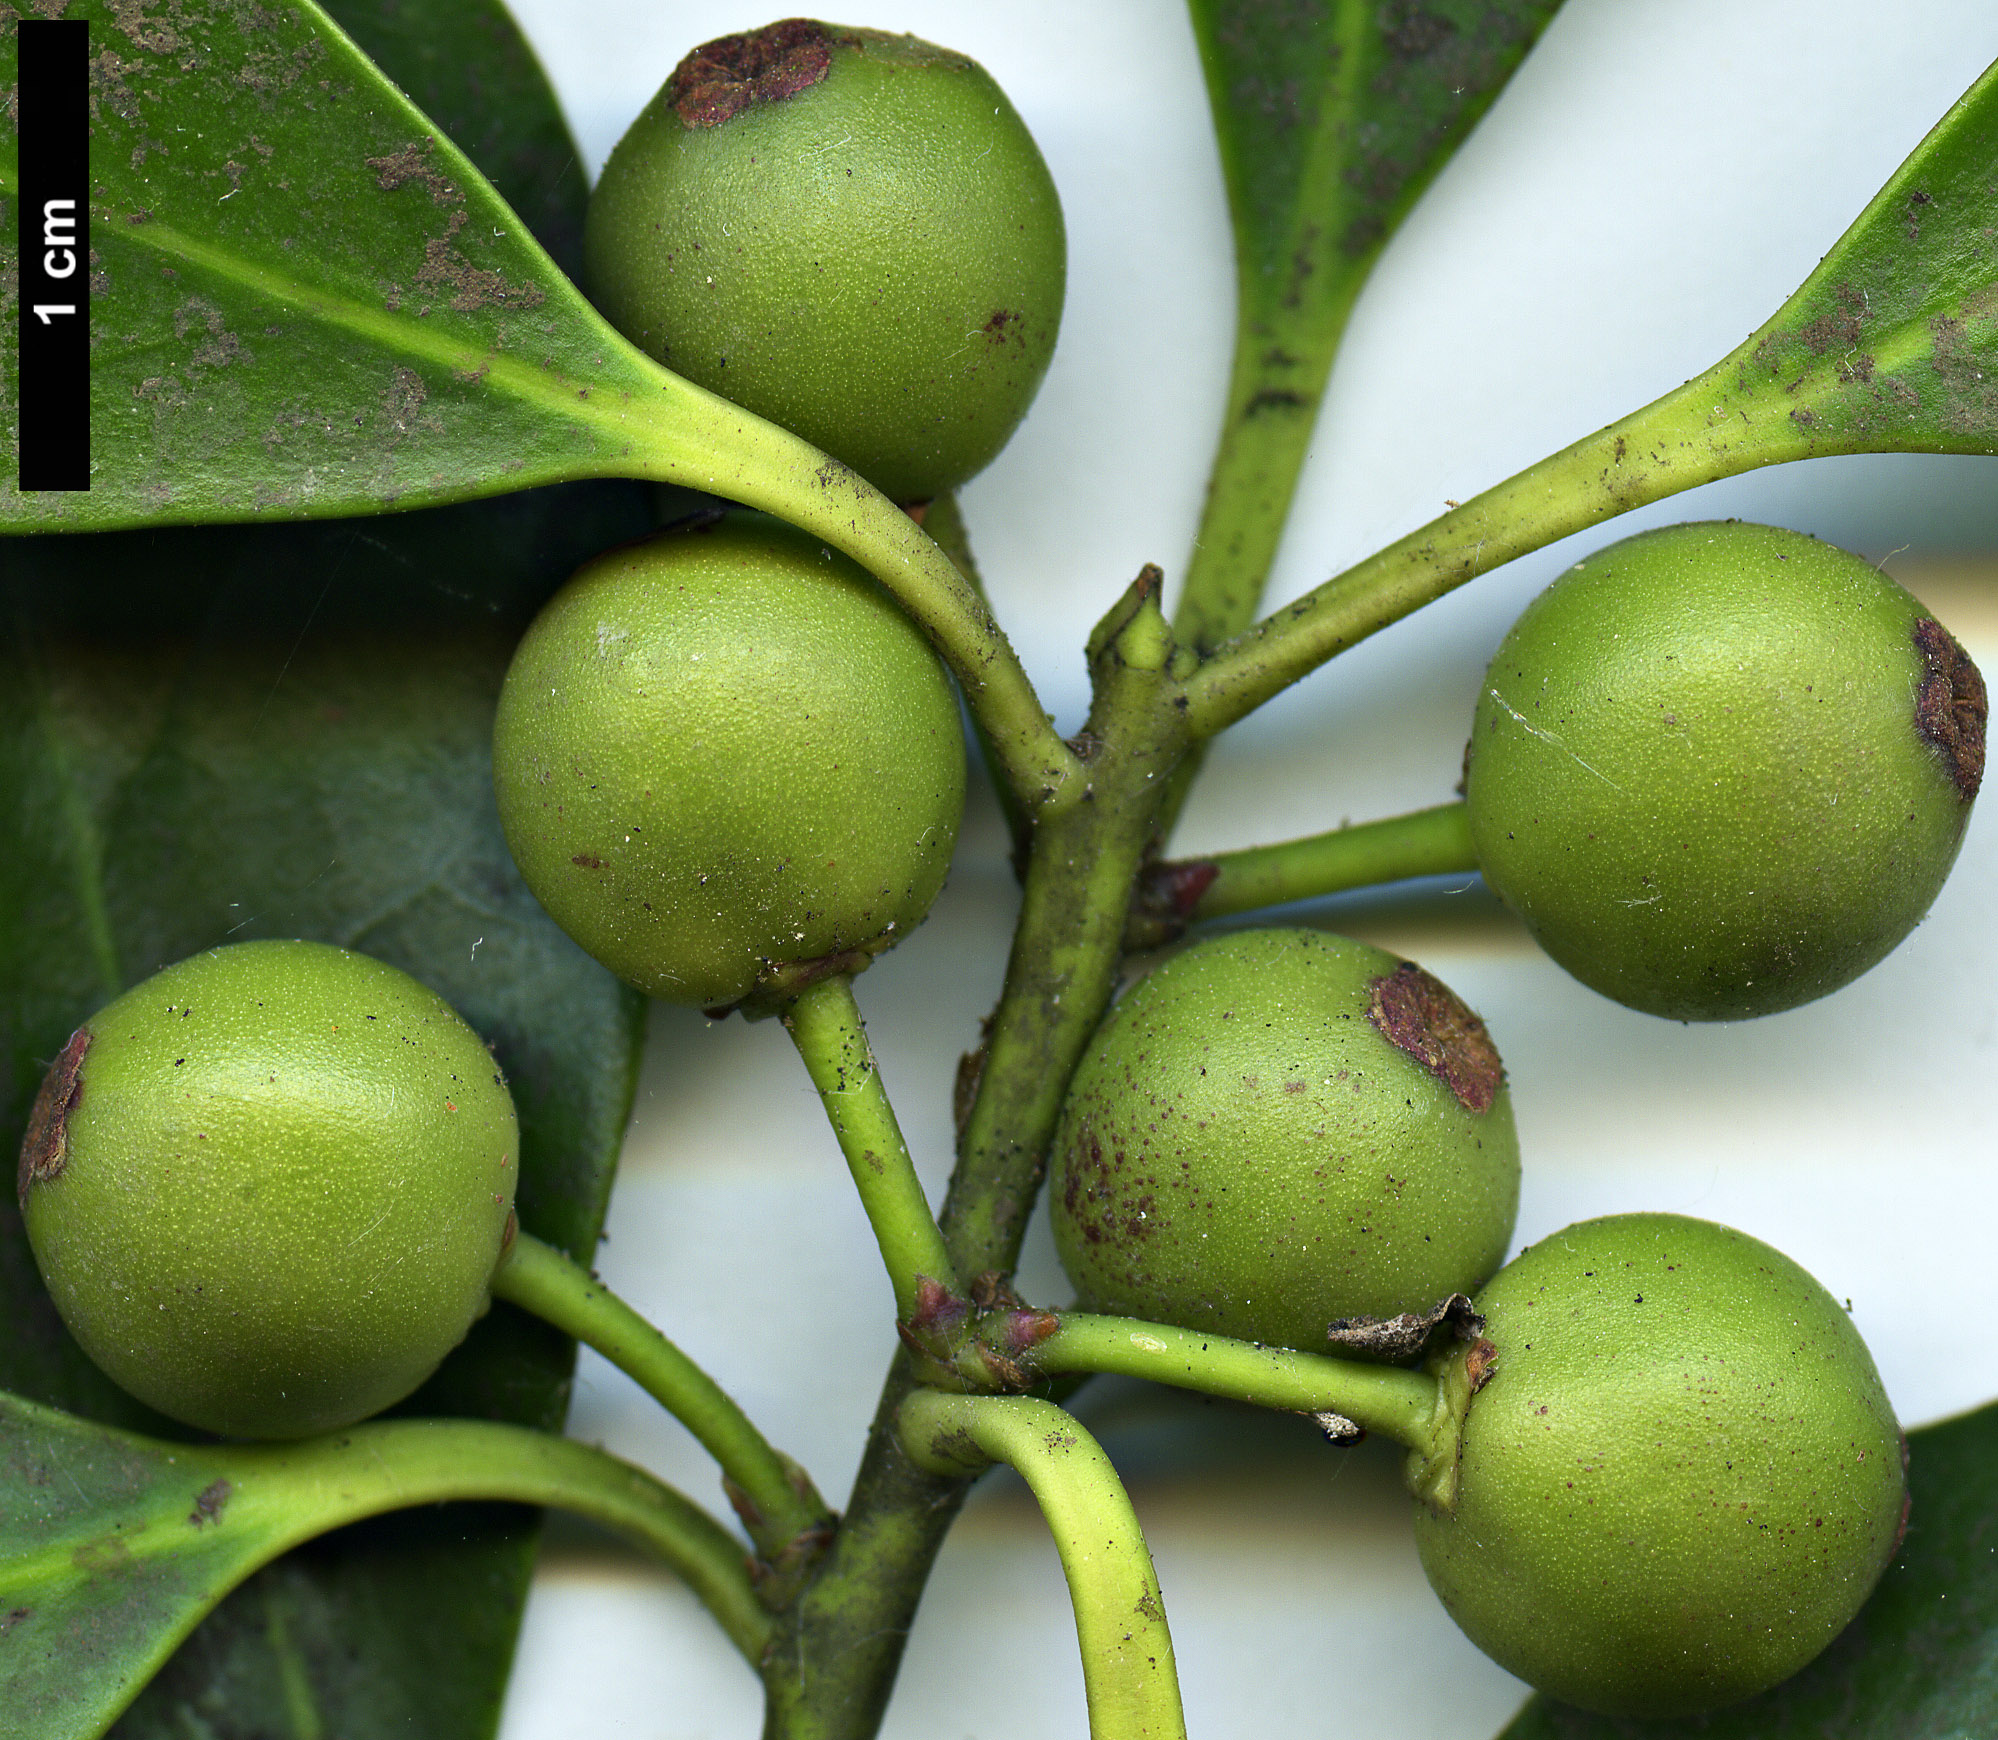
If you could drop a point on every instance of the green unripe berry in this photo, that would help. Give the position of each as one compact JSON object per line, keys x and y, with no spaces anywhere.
{"x":267,"y":1187}
{"x":726,"y":760}
{"x":849,"y":233}
{"x":1722,"y":769}
{"x":1277,"y":1128}
{"x":1680,"y":1478}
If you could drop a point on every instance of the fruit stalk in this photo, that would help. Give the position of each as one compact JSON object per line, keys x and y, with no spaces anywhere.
{"x":1127,"y":1661}
{"x":1432,"y":842}
{"x":774,"y":1496}
{"x":831,"y":1670}
{"x":691,"y":437}
{"x":1717,"y":425}
{"x":1399,"y":1405}
{"x":824,"y":1022}
{"x":945,"y":523}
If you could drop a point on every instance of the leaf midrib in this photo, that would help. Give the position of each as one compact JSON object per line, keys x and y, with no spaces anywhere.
{"x":537,"y":384}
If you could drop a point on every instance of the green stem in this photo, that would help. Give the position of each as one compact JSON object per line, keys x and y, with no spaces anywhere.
{"x":692,"y":437}
{"x":1397,"y":1404}
{"x":1127,"y":1661}
{"x":773,"y":1495}
{"x":1432,"y":842}
{"x":1716,"y":425}
{"x":825,"y":1024}
{"x":1295,"y":285}
{"x":1069,"y":940}
{"x":945,"y":523}
{"x":840,"y":1645}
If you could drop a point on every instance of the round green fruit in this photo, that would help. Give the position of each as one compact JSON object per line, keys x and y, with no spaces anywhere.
{"x":267,"y":1187}
{"x":1680,"y":1478}
{"x":725,"y":760}
{"x":1279,"y":1128}
{"x":1722,"y":769}
{"x":849,"y":233}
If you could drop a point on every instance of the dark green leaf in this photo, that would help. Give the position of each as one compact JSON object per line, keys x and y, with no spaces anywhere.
{"x":284,"y":730}
{"x":1331,"y":119}
{"x":1890,"y":346}
{"x":465,"y":64}
{"x":306,"y":300}
{"x":1892,"y":343}
{"x":112,"y":1547}
{"x":1921,"y":1660}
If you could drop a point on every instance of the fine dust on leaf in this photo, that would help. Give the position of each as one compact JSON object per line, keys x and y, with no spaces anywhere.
{"x":220,"y":347}
{"x":412,"y":163}
{"x":1970,"y":402}
{"x":401,"y":403}
{"x":445,"y":274}
{"x":1839,"y":327}
{"x":208,"y":1502}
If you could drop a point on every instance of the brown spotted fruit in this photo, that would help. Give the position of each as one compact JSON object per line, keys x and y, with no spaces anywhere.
{"x":267,"y":1187}
{"x":847,"y":232}
{"x":727,"y":763}
{"x":1672,"y":1476}
{"x":1278,"y":1128}
{"x":1722,"y":769}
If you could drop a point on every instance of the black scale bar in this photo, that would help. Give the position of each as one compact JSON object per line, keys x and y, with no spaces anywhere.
{"x":53,"y":247}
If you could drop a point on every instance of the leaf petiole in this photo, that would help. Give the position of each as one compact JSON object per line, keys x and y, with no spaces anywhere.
{"x":774,"y":1496}
{"x":1171,"y":896}
{"x":1127,"y":1662}
{"x":116,"y":1546}
{"x":824,"y":1023}
{"x":1398,"y":1404}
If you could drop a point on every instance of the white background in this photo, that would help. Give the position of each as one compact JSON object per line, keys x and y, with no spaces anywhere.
{"x":1656,"y":180}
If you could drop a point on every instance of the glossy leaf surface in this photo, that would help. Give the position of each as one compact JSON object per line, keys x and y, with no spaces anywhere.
{"x":304,"y":297}
{"x":278,"y":730}
{"x":1331,"y":120}
{"x":1890,"y":346}
{"x":285,"y":731}
{"x":1921,"y":1660}
{"x":112,"y":1546}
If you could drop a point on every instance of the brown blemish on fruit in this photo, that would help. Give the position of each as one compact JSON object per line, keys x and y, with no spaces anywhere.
{"x":732,"y":73}
{"x":1478,"y":1364}
{"x":1003,"y":321}
{"x":1423,"y":1017}
{"x":45,"y":1146}
{"x":586,"y":861}
{"x":1951,"y":706}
